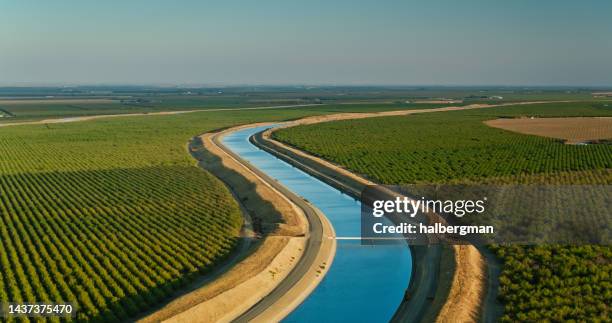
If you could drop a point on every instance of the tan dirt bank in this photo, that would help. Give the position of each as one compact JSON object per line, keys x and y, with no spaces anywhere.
{"x":463,"y":302}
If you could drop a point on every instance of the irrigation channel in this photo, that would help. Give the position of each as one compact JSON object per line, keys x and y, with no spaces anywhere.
{"x":365,"y":283}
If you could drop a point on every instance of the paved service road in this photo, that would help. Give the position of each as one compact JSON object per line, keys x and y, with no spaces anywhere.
{"x":310,"y":252}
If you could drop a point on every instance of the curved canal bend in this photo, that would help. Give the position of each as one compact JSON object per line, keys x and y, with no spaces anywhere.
{"x":364,"y":283}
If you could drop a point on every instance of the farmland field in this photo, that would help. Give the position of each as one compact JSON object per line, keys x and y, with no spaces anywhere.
{"x":449,"y":146}
{"x":35,"y":109}
{"x":26,"y":104}
{"x":573,"y":130}
{"x":554,"y":283}
{"x":112,"y":214}
{"x":31,"y":110}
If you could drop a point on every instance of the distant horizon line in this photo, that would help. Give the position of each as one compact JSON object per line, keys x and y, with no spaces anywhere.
{"x":297,"y":85}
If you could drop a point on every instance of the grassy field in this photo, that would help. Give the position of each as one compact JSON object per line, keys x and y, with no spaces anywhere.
{"x":538,"y":283}
{"x":112,"y":214}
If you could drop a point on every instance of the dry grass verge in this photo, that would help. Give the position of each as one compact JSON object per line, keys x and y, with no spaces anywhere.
{"x":232,"y":302}
{"x":464,"y":298}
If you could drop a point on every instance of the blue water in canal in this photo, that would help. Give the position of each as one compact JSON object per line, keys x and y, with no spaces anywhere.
{"x":364,"y":283}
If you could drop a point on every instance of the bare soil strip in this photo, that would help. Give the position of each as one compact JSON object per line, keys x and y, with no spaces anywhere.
{"x":463,"y":302}
{"x":230,"y":304}
{"x":572,"y":130}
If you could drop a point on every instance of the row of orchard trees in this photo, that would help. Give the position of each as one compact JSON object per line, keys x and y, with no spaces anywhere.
{"x":555,"y":283}
{"x":440,"y":148}
{"x":115,"y":252}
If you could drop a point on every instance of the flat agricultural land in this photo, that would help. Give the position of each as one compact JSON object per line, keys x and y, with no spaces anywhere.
{"x":537,"y":283}
{"x":573,"y":130}
{"x":450,"y":146}
{"x":27,"y":104}
{"x":25,"y":110}
{"x":54,"y":101}
{"x":113,"y":214}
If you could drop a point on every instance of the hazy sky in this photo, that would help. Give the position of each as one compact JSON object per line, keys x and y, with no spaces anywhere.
{"x":497,"y":42}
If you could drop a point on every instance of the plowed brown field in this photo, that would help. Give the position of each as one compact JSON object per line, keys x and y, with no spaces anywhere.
{"x":573,"y":130}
